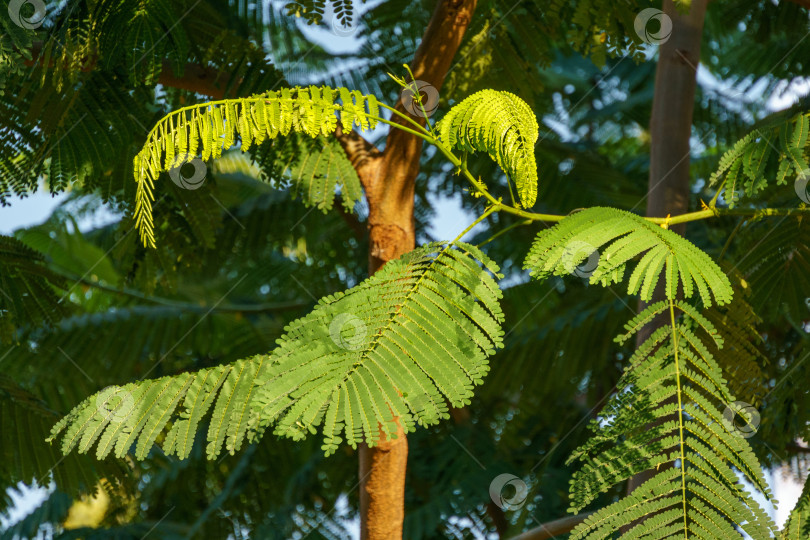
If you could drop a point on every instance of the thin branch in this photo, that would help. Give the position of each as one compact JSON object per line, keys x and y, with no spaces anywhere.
{"x":185,"y":306}
{"x":202,"y":80}
{"x":554,"y":528}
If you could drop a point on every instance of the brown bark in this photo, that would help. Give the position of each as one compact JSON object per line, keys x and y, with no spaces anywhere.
{"x":670,"y":132}
{"x":388,"y":181}
{"x":390,"y":187}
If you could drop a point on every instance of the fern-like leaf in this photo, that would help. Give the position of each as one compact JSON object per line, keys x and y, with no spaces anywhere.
{"x":617,"y":237}
{"x":24,"y":457}
{"x":798,"y":523}
{"x":779,"y":149}
{"x":743,"y":356}
{"x":314,"y":169}
{"x":28,"y":288}
{"x":214,"y":127}
{"x":669,"y":416}
{"x":403,"y":343}
{"x":502,"y":125}
{"x":54,"y":509}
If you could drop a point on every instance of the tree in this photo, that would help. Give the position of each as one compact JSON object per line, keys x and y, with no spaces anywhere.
{"x":309,"y":111}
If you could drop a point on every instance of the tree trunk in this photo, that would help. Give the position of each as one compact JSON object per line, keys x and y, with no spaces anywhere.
{"x":388,"y":181}
{"x":670,"y":131}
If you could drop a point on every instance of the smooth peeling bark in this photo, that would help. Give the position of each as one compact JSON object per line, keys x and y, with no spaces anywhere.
{"x":388,"y":181}
{"x":670,"y":133}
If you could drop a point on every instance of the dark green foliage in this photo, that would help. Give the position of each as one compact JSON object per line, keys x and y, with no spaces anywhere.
{"x":313,"y":10}
{"x":25,"y":456}
{"x":54,"y":509}
{"x":237,"y":261}
{"x":29,"y":290}
{"x":313,"y":169}
{"x":775,"y":261}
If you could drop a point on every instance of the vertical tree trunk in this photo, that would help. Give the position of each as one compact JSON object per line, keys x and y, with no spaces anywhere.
{"x":670,"y":131}
{"x":388,"y":181}
{"x":672,"y":108}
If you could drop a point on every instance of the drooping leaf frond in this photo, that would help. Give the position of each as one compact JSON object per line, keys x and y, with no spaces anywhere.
{"x":502,"y":125}
{"x":776,"y":150}
{"x":615,"y":237}
{"x":672,"y":415}
{"x":403,"y":343}
{"x":214,"y":126}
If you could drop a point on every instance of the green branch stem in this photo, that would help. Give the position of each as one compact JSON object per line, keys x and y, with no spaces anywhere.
{"x":184,"y":306}
{"x":680,"y":412}
{"x":506,"y":230}
{"x":481,"y":218}
{"x":664,"y":221}
{"x":497,"y":205}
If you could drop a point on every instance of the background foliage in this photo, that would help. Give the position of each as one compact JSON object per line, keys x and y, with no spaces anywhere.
{"x":88,"y":307}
